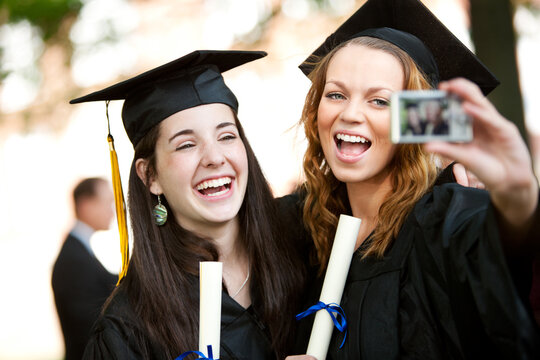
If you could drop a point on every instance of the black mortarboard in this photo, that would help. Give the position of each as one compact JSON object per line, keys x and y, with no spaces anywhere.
{"x":192,"y":80}
{"x":151,"y":97}
{"x":409,"y":25}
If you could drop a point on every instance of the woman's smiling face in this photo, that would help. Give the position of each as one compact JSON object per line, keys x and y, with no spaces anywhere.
{"x":201,"y":166}
{"x":353,"y":117}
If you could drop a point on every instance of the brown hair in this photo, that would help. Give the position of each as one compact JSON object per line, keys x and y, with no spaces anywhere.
{"x":161,"y":281}
{"x":413,"y":170}
{"x":86,"y":189}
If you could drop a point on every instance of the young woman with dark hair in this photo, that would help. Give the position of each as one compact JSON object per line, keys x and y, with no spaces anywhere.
{"x":192,"y":157}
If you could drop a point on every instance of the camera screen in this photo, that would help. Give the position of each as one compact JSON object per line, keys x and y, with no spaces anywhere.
{"x":422,"y":116}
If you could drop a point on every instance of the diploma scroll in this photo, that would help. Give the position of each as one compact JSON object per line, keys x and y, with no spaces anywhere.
{"x":334,"y":283}
{"x":210,"y":306}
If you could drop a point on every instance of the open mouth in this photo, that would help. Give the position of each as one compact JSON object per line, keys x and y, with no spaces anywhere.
{"x":214,"y":187}
{"x":351,"y":145}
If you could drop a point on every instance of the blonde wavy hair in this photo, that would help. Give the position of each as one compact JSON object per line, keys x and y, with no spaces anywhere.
{"x":413,"y":170}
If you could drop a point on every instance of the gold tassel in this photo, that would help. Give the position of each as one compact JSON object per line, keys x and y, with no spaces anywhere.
{"x":119,"y":203}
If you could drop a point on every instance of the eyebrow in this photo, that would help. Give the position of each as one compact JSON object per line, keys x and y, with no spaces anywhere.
{"x":336,"y":82}
{"x":225,"y":124}
{"x":190,"y":131}
{"x":369,"y":90}
{"x":180,"y":133}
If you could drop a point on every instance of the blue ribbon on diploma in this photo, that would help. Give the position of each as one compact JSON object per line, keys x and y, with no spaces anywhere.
{"x":340,"y":322}
{"x":202,"y":356}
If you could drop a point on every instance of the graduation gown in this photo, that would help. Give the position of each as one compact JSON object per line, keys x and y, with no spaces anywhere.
{"x":442,"y":291}
{"x":81,"y":285}
{"x":119,"y":336}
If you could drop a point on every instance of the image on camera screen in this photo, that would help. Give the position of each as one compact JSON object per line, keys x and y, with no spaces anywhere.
{"x":422,"y":116}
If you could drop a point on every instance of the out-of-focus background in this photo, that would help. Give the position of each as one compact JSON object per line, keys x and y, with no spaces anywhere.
{"x":52,"y":51}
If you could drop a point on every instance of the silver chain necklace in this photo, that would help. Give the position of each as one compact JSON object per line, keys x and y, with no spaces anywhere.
{"x":241,"y":287}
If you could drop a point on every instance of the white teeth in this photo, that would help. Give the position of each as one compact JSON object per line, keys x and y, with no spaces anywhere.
{"x":218,"y":193}
{"x":351,"y":138}
{"x":214,"y":183}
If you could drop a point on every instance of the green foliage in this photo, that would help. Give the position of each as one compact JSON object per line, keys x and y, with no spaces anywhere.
{"x":319,"y":3}
{"x":47,"y":15}
{"x":3,"y":73}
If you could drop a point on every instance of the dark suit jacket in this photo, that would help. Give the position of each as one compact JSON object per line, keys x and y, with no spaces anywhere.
{"x":81,"y":285}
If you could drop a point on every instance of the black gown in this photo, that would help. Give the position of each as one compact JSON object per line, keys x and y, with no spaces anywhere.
{"x":442,"y":291}
{"x":118,"y":335}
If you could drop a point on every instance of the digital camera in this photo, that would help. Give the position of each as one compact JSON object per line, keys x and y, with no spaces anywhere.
{"x":428,"y":115}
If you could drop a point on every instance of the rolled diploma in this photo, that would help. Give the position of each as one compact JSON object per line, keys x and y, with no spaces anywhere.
{"x":210,"y":306}
{"x":334,"y":283}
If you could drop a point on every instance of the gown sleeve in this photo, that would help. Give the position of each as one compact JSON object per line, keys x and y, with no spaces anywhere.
{"x":108,"y":342}
{"x":116,"y":335}
{"x":460,"y":247}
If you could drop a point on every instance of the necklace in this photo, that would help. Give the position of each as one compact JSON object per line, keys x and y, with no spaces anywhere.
{"x":241,"y":287}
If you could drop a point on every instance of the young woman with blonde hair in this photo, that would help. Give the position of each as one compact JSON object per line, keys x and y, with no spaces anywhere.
{"x":433,"y":275}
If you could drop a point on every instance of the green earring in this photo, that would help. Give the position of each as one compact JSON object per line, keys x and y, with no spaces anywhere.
{"x":160,"y":213}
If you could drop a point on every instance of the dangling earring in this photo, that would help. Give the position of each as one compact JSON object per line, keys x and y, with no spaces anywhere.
{"x":160,"y":213}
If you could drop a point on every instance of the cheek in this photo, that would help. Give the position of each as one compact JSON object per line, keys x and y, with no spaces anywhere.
{"x":324,"y":126}
{"x":175,"y":170}
{"x":324,"y":119}
{"x":381,"y":128}
{"x":243,"y":159}
{"x":238,"y":157}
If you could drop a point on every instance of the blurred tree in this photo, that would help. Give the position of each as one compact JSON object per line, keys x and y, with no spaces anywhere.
{"x":491,"y":26}
{"x":494,"y":38}
{"x":52,"y":19}
{"x":47,"y":15}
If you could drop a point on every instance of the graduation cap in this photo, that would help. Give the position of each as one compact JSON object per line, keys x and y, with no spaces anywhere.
{"x":151,"y":97}
{"x":409,"y":25}
{"x":192,"y":80}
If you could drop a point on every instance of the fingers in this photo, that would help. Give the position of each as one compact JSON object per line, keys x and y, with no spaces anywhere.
{"x":453,"y":151}
{"x":466,"y":90}
{"x":474,"y":182}
{"x":481,"y":161}
{"x":488,"y":124}
{"x":466,"y":178}
{"x":474,"y":102}
{"x":460,"y":174}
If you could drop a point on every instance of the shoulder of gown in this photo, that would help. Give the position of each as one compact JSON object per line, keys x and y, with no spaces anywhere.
{"x":457,"y":241}
{"x":290,"y":213}
{"x":117,"y":335}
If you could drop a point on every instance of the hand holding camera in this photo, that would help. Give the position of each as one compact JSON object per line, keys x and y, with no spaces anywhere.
{"x":497,"y":154}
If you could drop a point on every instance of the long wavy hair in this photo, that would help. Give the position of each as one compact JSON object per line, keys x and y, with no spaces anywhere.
{"x":164,"y":266}
{"x":413,"y":170}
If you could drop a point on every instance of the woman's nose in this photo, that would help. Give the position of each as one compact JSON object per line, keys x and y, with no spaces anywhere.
{"x":353,"y":112}
{"x":212,"y":156}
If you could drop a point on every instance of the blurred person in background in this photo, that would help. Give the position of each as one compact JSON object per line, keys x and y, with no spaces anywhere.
{"x":80,"y":282}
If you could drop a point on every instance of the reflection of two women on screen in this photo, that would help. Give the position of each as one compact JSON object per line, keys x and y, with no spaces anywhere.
{"x":433,"y":117}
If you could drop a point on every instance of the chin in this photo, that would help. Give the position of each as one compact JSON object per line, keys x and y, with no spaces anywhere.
{"x":344,"y":173}
{"x":355,"y":174}
{"x":222,"y":215}
{"x":348,"y":177}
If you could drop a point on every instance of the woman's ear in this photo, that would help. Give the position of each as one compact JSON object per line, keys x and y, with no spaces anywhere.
{"x":141,"y":165}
